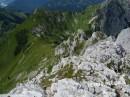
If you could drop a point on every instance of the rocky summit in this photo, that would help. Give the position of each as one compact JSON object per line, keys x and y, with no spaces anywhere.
{"x":84,"y":54}
{"x":101,"y":71}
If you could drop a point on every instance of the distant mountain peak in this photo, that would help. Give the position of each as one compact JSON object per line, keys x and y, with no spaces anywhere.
{"x":31,"y":5}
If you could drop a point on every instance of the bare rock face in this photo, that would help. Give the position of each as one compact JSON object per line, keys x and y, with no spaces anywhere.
{"x":124,"y":39}
{"x":100,"y":71}
{"x":114,"y":16}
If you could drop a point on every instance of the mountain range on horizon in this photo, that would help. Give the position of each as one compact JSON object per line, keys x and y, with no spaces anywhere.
{"x":30,"y":5}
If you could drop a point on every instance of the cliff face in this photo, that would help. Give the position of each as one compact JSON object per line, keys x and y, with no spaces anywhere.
{"x":114,"y":16}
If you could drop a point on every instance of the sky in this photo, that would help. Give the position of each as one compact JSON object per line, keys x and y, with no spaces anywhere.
{"x":4,"y":3}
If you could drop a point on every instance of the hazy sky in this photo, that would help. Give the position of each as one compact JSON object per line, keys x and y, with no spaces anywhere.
{"x":5,"y":2}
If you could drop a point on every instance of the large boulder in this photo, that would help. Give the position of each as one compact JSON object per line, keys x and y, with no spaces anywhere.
{"x":124,"y":39}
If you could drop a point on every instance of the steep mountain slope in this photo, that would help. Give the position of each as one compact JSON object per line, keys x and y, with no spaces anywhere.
{"x":114,"y":16}
{"x":31,"y":45}
{"x":9,"y":19}
{"x":101,"y":71}
{"x":70,"y":5}
{"x":58,"y":54}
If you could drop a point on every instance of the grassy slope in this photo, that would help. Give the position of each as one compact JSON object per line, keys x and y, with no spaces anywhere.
{"x":8,"y":19}
{"x":38,"y":49}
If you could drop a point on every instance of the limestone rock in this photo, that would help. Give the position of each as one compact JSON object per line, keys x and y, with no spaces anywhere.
{"x":124,"y":39}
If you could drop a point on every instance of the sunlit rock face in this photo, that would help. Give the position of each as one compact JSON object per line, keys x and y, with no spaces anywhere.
{"x":124,"y":39}
{"x":29,"y":88}
{"x":100,"y":71}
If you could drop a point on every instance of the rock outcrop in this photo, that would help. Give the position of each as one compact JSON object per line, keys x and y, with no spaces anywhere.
{"x":100,"y":71}
{"x":124,"y":39}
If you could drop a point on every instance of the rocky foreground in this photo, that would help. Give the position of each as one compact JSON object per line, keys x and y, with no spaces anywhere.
{"x":102,"y":70}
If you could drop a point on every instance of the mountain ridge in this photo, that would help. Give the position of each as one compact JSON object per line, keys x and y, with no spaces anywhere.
{"x":9,"y":19}
{"x":63,"y":54}
{"x":43,"y":30}
{"x":71,"y":5}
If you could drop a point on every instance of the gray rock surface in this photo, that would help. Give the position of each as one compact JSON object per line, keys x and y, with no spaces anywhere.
{"x":124,"y":39}
{"x":100,"y":71}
